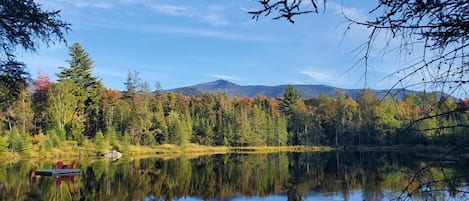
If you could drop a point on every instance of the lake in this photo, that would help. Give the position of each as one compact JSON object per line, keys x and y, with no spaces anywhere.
{"x":280,"y":176}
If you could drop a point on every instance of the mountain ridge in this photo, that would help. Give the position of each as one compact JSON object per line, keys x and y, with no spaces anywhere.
{"x":307,"y":91}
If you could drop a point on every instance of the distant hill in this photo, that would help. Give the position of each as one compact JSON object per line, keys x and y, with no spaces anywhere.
{"x":306,"y":91}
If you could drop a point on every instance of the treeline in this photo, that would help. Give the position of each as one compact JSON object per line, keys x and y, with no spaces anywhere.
{"x":79,"y":108}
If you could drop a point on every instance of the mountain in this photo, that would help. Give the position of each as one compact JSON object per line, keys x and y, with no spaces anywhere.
{"x":306,"y":91}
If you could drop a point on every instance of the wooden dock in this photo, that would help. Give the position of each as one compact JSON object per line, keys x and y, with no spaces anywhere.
{"x":57,"y":172}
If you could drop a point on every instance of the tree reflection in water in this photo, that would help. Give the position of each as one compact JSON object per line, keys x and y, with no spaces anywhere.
{"x":292,"y":176}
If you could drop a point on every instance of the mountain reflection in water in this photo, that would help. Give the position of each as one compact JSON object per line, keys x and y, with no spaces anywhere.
{"x":280,"y":176}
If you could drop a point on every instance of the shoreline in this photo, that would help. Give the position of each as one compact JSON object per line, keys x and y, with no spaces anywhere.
{"x":167,"y":151}
{"x":162,"y":151}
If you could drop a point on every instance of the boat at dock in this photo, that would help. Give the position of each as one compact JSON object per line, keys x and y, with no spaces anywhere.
{"x":60,"y":169}
{"x":57,"y":172}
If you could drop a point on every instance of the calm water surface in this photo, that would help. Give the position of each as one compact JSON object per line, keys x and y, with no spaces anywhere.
{"x":281,"y":176}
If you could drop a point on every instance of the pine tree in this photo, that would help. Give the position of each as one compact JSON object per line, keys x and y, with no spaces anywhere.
{"x":80,"y":73}
{"x":87,"y":88}
{"x":174,"y":127}
{"x":131,"y":85}
{"x":291,"y":96}
{"x":185,"y":131}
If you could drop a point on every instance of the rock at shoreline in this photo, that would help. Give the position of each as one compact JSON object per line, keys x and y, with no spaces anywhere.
{"x":113,"y":155}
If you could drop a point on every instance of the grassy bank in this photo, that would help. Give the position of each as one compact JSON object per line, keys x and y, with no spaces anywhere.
{"x":265,"y":149}
{"x":70,"y":149}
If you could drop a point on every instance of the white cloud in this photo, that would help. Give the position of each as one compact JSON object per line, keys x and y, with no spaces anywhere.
{"x":316,"y":76}
{"x":214,"y":15}
{"x":172,"y":10}
{"x":215,"y":20}
{"x":350,"y":12}
{"x":223,"y":77}
{"x":87,"y":4}
{"x":326,"y":77}
{"x":184,"y":31}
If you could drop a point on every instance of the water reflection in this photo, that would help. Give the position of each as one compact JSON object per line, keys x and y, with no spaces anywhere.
{"x":282,"y":176}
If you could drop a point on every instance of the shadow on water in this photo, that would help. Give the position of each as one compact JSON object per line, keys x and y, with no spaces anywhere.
{"x":280,"y":176}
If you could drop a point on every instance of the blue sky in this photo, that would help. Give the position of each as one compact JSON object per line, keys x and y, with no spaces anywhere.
{"x":180,"y":43}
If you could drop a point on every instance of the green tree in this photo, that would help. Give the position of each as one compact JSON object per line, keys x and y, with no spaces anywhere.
{"x":340,"y":116}
{"x":291,"y":97}
{"x":174,"y":124}
{"x":88,"y":89}
{"x":100,"y":142}
{"x":126,"y":143}
{"x":62,"y":106}
{"x":386,"y":122}
{"x":185,"y":132}
{"x":18,"y":141}
{"x":297,"y":115}
{"x":327,"y":113}
{"x":3,"y":144}
{"x":131,"y":85}
{"x":24,"y":25}
{"x":159,"y":123}
{"x":111,"y":137}
{"x":22,"y":112}
{"x":281,"y":133}
{"x":258,"y":126}
{"x":367,"y":101}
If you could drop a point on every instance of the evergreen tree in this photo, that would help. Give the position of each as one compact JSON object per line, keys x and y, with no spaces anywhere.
{"x":87,"y":88}
{"x":80,"y":73}
{"x":131,"y":85}
{"x":281,"y":132}
{"x":291,"y":97}
{"x":258,"y":126}
{"x":174,"y":127}
{"x":185,"y":131}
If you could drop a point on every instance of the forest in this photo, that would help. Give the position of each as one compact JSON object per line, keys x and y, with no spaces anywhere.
{"x":79,"y":108}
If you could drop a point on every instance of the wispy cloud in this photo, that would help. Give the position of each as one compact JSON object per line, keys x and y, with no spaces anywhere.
{"x":215,"y":20}
{"x":213,"y":15}
{"x":317,"y":76}
{"x":223,"y":77}
{"x":87,"y":4}
{"x":325,"y":77}
{"x":350,"y":12}
{"x":178,"y":30}
{"x":173,"y":10}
